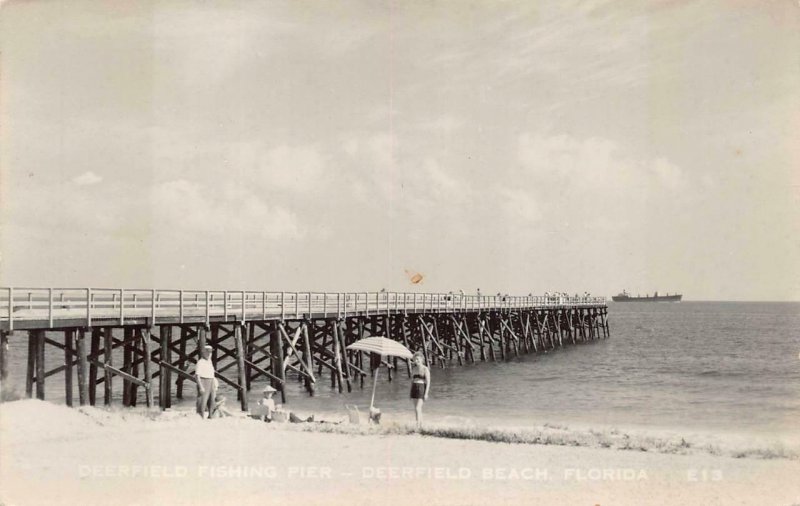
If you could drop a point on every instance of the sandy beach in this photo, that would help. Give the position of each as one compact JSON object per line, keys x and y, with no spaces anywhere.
{"x":52,"y":454}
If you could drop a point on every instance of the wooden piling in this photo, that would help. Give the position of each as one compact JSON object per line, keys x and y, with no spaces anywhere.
{"x":127,"y":360}
{"x":94,"y":354}
{"x":132,"y":396}
{"x":202,"y":337}
{"x":499,"y":331}
{"x":108,"y":359}
{"x":237,"y":337}
{"x":68,"y":358}
{"x":30,"y":371}
{"x":3,"y":356}
{"x":487,"y":331}
{"x":404,"y":329}
{"x":249,"y":352}
{"x":144,"y":340}
{"x":339,"y":354}
{"x":83,"y":383}
{"x":185,"y":333}
{"x":165,"y":373}
{"x":347,"y":371}
{"x":40,"y":366}
{"x":457,"y":339}
{"x":567,"y":314}
{"x":308,"y":358}
{"x":582,"y":320}
{"x":421,"y":326}
{"x":278,"y":370}
{"x":336,"y":359}
{"x":479,"y":327}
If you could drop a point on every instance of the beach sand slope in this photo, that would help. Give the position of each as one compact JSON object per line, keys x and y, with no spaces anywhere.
{"x":56,"y":455}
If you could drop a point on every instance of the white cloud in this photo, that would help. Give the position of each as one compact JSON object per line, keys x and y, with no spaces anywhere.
{"x":441,"y":184}
{"x":668,"y":174}
{"x":87,"y":179}
{"x":295,"y":168}
{"x":444,"y":124}
{"x":381,"y":148}
{"x":521,"y":204}
{"x":350,"y":146}
{"x":190,"y":206}
{"x":594,"y":182}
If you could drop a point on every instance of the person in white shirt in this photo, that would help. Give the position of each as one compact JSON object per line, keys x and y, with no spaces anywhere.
{"x":207,"y":391}
{"x":269,"y":403}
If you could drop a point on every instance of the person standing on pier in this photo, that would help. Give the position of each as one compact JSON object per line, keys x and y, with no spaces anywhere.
{"x":206,"y":389}
{"x":420,"y":385}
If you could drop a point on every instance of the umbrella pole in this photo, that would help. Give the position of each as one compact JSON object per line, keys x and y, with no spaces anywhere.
{"x":374,"y":385}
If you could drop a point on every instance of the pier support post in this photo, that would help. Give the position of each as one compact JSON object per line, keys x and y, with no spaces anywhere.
{"x":3,"y":356}
{"x":134,"y":371}
{"x":238,"y":329}
{"x":276,"y":361}
{"x":556,"y":328}
{"x":336,"y":359}
{"x":339,"y":354}
{"x":127,"y":358}
{"x":456,"y":339}
{"x":108,"y":359}
{"x":486,"y":341}
{"x":144,"y":339}
{"x":249,"y":353}
{"x":307,"y":356}
{"x":94,"y":353}
{"x":202,"y":337}
{"x":68,"y":353}
{"x":404,"y":329}
{"x":165,"y":374}
{"x":83,"y":383}
{"x":347,"y":371}
{"x":30,"y":371}
{"x":185,"y":335}
{"x":491,"y":331}
{"x":40,"y":369}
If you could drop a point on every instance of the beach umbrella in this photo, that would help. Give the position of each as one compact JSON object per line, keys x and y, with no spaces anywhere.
{"x":383,"y":347}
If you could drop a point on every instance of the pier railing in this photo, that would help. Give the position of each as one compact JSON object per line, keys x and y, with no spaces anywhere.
{"x":55,"y":305}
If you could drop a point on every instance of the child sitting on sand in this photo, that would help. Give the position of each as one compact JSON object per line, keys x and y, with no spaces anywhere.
{"x":219,"y":409}
{"x":268,"y":403}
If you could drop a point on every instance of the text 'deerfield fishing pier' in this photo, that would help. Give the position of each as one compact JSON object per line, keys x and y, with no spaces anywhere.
{"x":148,"y":337}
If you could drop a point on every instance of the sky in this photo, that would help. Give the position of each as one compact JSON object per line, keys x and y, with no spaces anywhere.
{"x":515,"y":147}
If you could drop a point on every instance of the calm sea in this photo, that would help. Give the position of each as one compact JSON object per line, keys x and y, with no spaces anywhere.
{"x":709,"y":366}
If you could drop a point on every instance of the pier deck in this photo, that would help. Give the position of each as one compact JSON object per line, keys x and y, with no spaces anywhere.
{"x":267,"y":336}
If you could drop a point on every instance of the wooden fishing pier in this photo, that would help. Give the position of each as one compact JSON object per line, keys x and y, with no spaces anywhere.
{"x":145,"y":338}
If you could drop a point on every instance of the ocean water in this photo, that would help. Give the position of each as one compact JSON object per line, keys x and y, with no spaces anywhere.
{"x":705,"y":366}
{"x":721,"y":367}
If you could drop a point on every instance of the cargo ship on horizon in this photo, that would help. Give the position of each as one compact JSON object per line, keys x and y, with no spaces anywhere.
{"x":626,"y":297}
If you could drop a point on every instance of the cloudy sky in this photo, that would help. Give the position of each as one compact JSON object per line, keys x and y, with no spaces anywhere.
{"x":516,"y":147}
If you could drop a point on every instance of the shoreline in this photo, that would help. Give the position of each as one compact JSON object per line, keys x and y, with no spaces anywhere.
{"x":57,"y":455}
{"x":660,"y":440}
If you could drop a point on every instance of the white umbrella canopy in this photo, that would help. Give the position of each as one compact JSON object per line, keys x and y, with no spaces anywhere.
{"x":384,"y":347}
